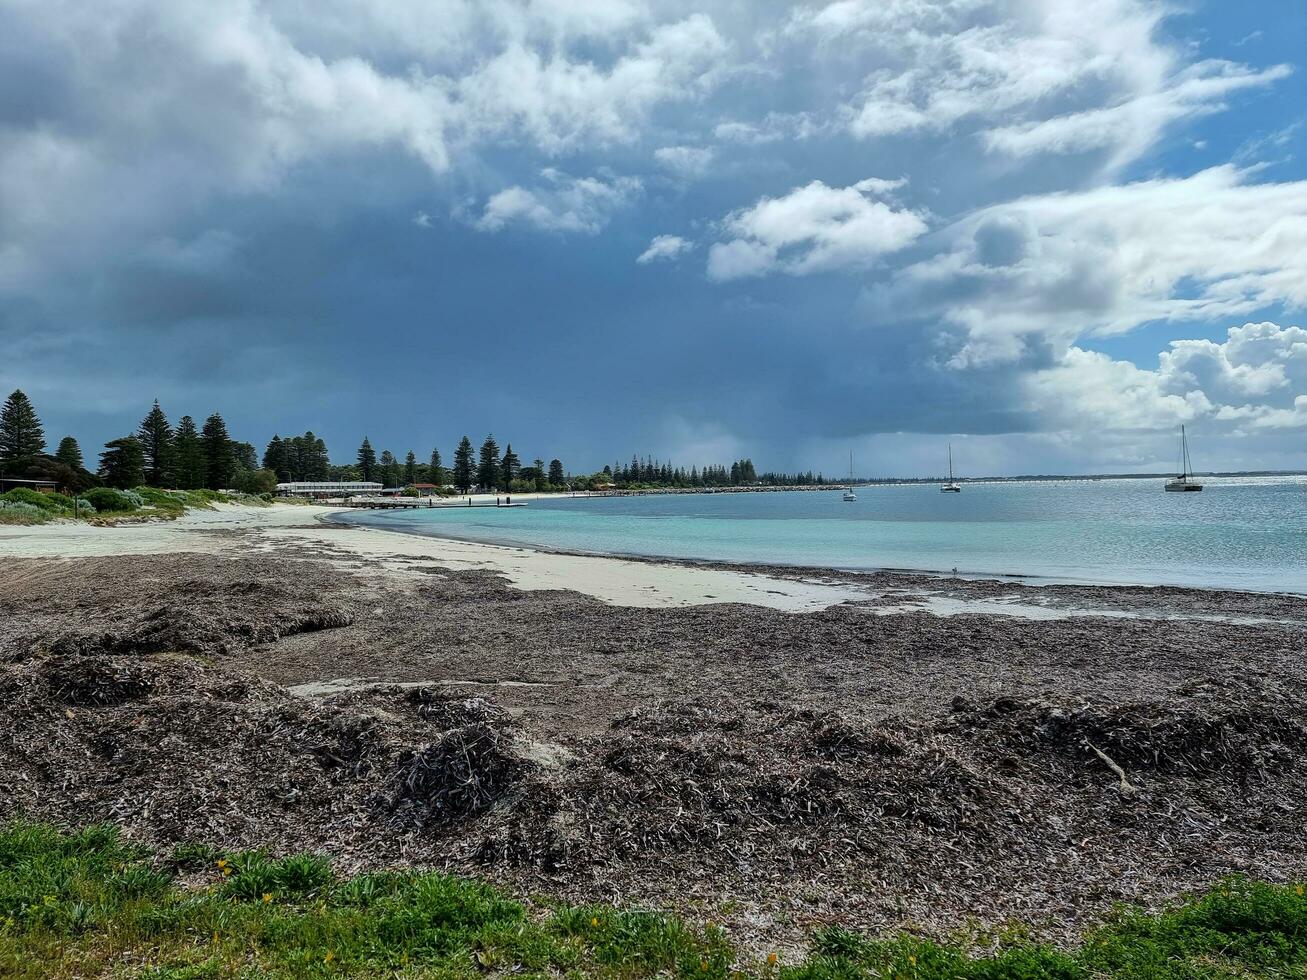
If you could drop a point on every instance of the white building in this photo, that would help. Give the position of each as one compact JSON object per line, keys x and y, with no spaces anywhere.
{"x":327,"y":489}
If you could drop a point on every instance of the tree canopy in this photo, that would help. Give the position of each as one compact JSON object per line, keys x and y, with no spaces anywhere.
{"x":70,"y":453}
{"x":192,"y":465}
{"x":219,"y":453}
{"x":21,"y":434}
{"x":488,"y":466}
{"x":367,"y":458}
{"x":122,"y":464}
{"x":464,"y":472}
{"x":389,"y":468}
{"x":509,"y":467}
{"x":156,"y":438}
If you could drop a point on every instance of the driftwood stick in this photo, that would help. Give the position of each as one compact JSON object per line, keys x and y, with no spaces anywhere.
{"x":1127,"y":788}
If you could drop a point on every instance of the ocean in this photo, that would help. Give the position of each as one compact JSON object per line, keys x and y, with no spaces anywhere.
{"x":1239,"y":533}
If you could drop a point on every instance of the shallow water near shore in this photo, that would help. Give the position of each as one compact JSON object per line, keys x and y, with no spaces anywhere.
{"x":1245,"y":533}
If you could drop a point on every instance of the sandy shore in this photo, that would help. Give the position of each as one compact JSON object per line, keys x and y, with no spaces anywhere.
{"x":236,"y":530}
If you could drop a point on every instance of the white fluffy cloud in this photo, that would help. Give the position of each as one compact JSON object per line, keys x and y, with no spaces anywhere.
{"x":149,"y":109}
{"x":1256,"y":379}
{"x":1028,"y":77}
{"x":1207,"y":247}
{"x":812,"y":229}
{"x":664,"y":247}
{"x":560,"y":203}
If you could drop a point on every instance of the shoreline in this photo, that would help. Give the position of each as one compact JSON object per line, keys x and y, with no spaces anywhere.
{"x":925,"y":575}
{"x":631,"y":579}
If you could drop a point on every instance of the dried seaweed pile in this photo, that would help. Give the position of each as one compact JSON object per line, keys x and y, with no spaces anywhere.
{"x":1016,"y":805}
{"x":178,"y":751}
{"x":1004,"y":807}
{"x":1227,"y":731}
{"x":210,"y":615}
{"x":764,"y":789}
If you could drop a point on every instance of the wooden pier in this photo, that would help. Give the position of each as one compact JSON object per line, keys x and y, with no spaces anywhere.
{"x":419,"y":503}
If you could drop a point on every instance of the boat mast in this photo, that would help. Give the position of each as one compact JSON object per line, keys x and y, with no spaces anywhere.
{"x":950,"y":462}
{"x":1184,"y":451}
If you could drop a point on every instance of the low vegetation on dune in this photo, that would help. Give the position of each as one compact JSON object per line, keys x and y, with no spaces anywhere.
{"x":106,"y":505}
{"x":89,"y":904}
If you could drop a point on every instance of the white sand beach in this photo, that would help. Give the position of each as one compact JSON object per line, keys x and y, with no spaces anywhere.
{"x":613,"y":580}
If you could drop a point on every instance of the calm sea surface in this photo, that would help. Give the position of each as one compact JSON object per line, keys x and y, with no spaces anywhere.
{"x":1242,"y":533}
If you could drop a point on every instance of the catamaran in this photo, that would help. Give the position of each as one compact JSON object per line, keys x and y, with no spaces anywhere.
{"x":849,"y":496}
{"x":951,"y":486}
{"x":1185,"y":482}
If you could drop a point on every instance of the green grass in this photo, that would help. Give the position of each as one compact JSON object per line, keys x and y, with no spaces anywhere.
{"x":89,"y":904}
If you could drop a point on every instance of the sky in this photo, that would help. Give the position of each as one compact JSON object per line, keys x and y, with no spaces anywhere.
{"x":1049,"y":231}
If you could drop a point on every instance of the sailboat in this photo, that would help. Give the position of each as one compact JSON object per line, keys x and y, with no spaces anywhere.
{"x":951,"y":486}
{"x":849,"y":496}
{"x":1185,"y":482}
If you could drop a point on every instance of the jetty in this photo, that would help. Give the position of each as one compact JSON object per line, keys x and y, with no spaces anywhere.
{"x":417,"y":503}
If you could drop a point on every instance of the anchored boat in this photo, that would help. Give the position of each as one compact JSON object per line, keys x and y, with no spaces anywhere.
{"x":951,"y":486}
{"x":1185,"y":482}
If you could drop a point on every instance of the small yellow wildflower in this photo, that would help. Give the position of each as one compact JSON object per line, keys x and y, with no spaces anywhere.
{"x":771,"y":959}
{"x":267,"y":897}
{"x":329,"y":957}
{"x":222,"y":862}
{"x":594,"y":920}
{"x":215,"y":938}
{"x":703,"y":965}
{"x":1298,"y":891}
{"x":912,"y":958}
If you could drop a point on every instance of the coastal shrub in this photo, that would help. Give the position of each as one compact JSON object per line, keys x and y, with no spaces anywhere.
{"x":255,"y":481}
{"x":170,"y":502}
{"x":16,"y":512}
{"x":104,"y":498}
{"x":199,"y":498}
{"x":45,"y":501}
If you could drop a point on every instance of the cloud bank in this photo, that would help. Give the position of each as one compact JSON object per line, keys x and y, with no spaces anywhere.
{"x":1068,"y":225}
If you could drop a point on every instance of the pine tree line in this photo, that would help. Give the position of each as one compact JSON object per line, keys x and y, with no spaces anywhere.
{"x":192,"y":457}
{"x":650,"y":472}
{"x":156,"y":454}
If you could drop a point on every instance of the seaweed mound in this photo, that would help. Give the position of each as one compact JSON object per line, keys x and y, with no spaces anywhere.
{"x":178,"y":751}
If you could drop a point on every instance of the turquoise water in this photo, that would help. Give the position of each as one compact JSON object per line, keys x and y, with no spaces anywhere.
{"x":1239,"y":533}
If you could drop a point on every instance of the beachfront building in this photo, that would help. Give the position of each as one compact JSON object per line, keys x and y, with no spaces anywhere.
{"x":328,"y":488}
{"x":40,"y":486}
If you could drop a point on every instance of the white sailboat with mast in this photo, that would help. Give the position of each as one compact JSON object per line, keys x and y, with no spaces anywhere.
{"x":849,"y":496}
{"x":952,"y":486}
{"x":1185,"y":482}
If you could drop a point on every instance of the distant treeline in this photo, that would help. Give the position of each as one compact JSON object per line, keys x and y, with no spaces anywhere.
{"x":649,"y":472}
{"x":188,"y":456}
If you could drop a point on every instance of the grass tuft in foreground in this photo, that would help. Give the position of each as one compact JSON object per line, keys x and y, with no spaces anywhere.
{"x":89,"y":904}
